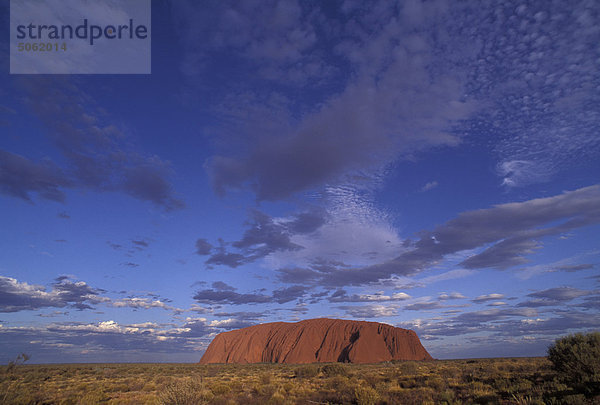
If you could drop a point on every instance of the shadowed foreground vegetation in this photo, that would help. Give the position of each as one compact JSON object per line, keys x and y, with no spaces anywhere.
{"x":485,"y":381}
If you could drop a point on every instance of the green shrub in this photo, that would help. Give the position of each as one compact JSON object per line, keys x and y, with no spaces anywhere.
{"x":576,"y":359}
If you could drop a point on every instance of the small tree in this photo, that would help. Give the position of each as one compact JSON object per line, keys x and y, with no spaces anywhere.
{"x":20,"y":359}
{"x":576,"y":359}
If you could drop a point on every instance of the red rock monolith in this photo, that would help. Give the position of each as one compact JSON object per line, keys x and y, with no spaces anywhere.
{"x":315,"y":341}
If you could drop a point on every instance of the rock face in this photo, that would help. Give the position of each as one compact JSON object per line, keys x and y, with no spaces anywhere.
{"x":315,"y":341}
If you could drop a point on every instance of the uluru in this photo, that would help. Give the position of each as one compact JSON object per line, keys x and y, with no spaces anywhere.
{"x":315,"y":341}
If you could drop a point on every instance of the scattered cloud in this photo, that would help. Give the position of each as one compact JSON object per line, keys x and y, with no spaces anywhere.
{"x":246,"y":316}
{"x":382,"y":111}
{"x":19,"y":296}
{"x":369,"y":311}
{"x":409,"y":282}
{"x":429,"y":186}
{"x":451,"y":296}
{"x":231,"y":323}
{"x":203,"y":247}
{"x":96,"y":155}
{"x":229,"y":297}
{"x":131,"y":247}
{"x":283,"y":295}
{"x":553,"y":297}
{"x":575,"y":267}
{"x":355,"y":231}
{"x":264,"y":236}
{"x":503,"y":323}
{"x":506,"y":232}
{"x":143,"y":303}
{"x":342,"y":296}
{"x":487,"y":297}
{"x":221,"y":286}
{"x":559,"y":293}
{"x":424,"y":306}
{"x":222,"y":293}
{"x":19,"y":177}
{"x":66,"y":293}
{"x":93,"y":342}
{"x":519,"y":173}
{"x":140,"y":244}
{"x":114,"y":246}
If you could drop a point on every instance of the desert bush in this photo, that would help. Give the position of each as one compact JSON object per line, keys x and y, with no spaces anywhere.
{"x":277,"y":398}
{"x":372,"y":379}
{"x":94,"y":397}
{"x":573,"y":399}
{"x":330,"y":370}
{"x":307,"y":371}
{"x":265,"y":378}
{"x":336,"y":383}
{"x":186,"y":392}
{"x":264,"y":390}
{"x":220,"y":389}
{"x":366,"y":395}
{"x":436,"y":383}
{"x":576,"y":359}
{"x":446,"y":397}
{"x":409,"y":367}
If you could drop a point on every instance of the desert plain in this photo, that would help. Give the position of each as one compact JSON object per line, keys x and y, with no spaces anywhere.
{"x":468,"y":381}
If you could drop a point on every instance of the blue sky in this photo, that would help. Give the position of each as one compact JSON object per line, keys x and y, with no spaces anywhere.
{"x":429,"y":165}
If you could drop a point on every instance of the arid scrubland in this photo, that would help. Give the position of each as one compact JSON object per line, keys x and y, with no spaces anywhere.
{"x":482,"y":381}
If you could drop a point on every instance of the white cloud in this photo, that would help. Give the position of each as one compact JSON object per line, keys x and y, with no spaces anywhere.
{"x":429,"y":186}
{"x":356,"y":232}
{"x":488,"y":297}
{"x":370,"y":311}
{"x":143,"y":303}
{"x":519,"y":173}
{"x":451,"y":296}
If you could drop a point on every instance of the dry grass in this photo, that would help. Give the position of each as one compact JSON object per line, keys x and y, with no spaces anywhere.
{"x":485,"y":381}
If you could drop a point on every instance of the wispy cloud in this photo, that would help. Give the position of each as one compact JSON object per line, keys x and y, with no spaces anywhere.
{"x":21,"y":177}
{"x":553,"y":296}
{"x":224,"y":294}
{"x":488,"y":297}
{"x":510,"y":231}
{"x":342,"y":296}
{"x":429,"y":186}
